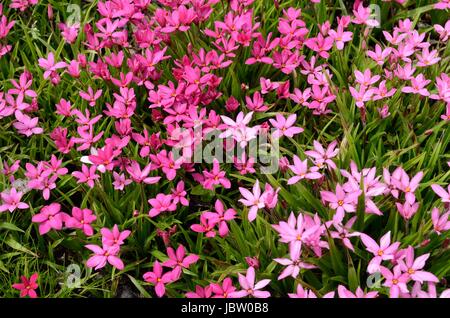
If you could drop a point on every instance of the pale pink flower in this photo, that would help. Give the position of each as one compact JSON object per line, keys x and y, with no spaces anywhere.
{"x":384,"y":251}
{"x":12,"y":201}
{"x":284,"y":127}
{"x":254,"y":200}
{"x":249,"y":287}
{"x":300,"y":168}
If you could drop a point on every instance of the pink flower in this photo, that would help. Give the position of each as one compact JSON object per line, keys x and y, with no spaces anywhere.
{"x":103,"y":255}
{"x":91,"y":96}
{"x":440,"y":222}
{"x":220,"y":217}
{"x":343,"y":232}
{"x":86,"y":175}
{"x":81,"y":219}
{"x":206,"y":226}
{"x":362,"y":16}
{"x":114,"y":236}
{"x":28,"y":286}
{"x":253,"y":200}
{"x":384,"y":251}
{"x":179,"y":260}
{"x":49,"y":217}
{"x":341,"y":201}
{"x":306,"y":293}
{"x":294,"y":264}
{"x":200,"y":292}
{"x":396,"y":281}
{"x":161,"y":203}
{"x":407,"y":210}
{"x":418,"y":84}
{"x":379,"y":55}
{"x":50,"y":66}
{"x":320,"y":156}
{"x":249,"y":288}
{"x":179,"y":194}
{"x":139,"y":175}
{"x":12,"y":201}
{"x":408,"y":186}
{"x":120,"y":181}
{"x":157,"y":278}
{"x":413,"y":267}
{"x":359,"y":293}
{"x":340,"y":36}
{"x":69,"y":32}
{"x":26,"y":125}
{"x":284,"y":126}
{"x":444,"y":31}
{"x":225,"y":290}
{"x":441,"y":192}
{"x":300,"y":168}
{"x":442,"y":5}
{"x":215,"y":177}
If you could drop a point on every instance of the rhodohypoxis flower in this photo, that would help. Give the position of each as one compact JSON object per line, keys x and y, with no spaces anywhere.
{"x":407,"y":210}
{"x":215,"y":177}
{"x":200,"y":292}
{"x":51,"y":67}
{"x":49,"y":217}
{"x":86,"y":175}
{"x":178,"y":260}
{"x":343,"y":232}
{"x":225,"y":290}
{"x":300,"y":168}
{"x":340,"y":36}
{"x":103,"y":255}
{"x":341,"y":201}
{"x":440,"y":191}
{"x":27,"y":125}
{"x":306,"y":293}
{"x":379,"y":55}
{"x":249,"y":287}
{"x":396,"y":281}
{"x":91,"y":96}
{"x":384,"y":251}
{"x":284,"y":126}
{"x":69,"y":32}
{"x":220,"y":217}
{"x":408,"y":186}
{"x":161,"y":203}
{"x":254,"y":200}
{"x":294,"y":264}
{"x":206,"y":226}
{"x":322,"y":156}
{"x":157,"y":278}
{"x":81,"y":219}
{"x":440,"y":222}
{"x":359,"y":293}
{"x":28,"y":286}
{"x":114,"y":236}
{"x":12,"y":200}
{"x":414,"y":267}
{"x":418,"y":84}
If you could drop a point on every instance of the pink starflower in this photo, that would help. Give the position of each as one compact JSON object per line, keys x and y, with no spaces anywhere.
{"x":162,"y":203}
{"x":114,"y":236}
{"x":103,"y":255}
{"x":28,"y":286}
{"x":178,"y":260}
{"x":49,"y":217}
{"x":384,"y":251}
{"x":254,"y":200}
{"x":249,"y":287}
{"x":81,"y":219}
{"x":12,"y":201}
{"x":220,"y":217}
{"x":284,"y":127}
{"x":157,"y":278}
{"x":86,"y":175}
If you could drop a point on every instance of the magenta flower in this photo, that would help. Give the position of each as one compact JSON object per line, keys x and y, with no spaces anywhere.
{"x":440,"y":222}
{"x":294,"y":264}
{"x":113,"y":237}
{"x":359,"y":293}
{"x":200,"y":292}
{"x":103,"y":255}
{"x":320,"y":155}
{"x":215,"y":177}
{"x":441,"y":192}
{"x":12,"y":200}
{"x":343,"y":232}
{"x":284,"y":126}
{"x":158,"y":279}
{"x":341,"y":201}
{"x":81,"y":219}
{"x":254,"y":200}
{"x":225,"y":290}
{"x":49,"y":217}
{"x":396,"y":281}
{"x":50,"y":66}
{"x":86,"y":175}
{"x":91,"y":96}
{"x":384,"y":251}
{"x":161,"y":203}
{"x":206,"y":226}
{"x":26,"y":125}
{"x":300,"y":168}
{"x":414,"y":267}
{"x":249,"y":287}
{"x":179,"y":260}
{"x":220,"y":217}
{"x":28,"y":286}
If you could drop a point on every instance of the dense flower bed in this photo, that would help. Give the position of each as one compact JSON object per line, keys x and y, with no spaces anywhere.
{"x":242,"y":148}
